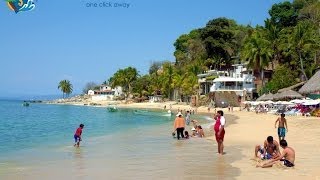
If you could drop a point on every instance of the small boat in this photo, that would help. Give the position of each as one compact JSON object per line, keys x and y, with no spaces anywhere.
{"x":25,"y":104}
{"x":112,"y":109}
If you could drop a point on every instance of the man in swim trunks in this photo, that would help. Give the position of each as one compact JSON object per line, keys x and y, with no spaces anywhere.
{"x":270,"y":149}
{"x":77,"y":135}
{"x":282,"y":126}
{"x":288,"y":156}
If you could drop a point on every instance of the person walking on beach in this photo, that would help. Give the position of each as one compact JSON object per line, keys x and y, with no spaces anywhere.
{"x":288,"y":156}
{"x":219,"y":130}
{"x":282,"y":126}
{"x":179,"y":125}
{"x":77,"y":135}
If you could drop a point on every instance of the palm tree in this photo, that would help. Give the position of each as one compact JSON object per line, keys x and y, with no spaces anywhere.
{"x":272,"y":33}
{"x":167,"y":77}
{"x":303,"y":39}
{"x":124,"y":78}
{"x":66,"y":87}
{"x":257,"y":52}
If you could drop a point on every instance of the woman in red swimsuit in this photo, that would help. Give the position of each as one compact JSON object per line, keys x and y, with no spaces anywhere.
{"x":219,"y":130}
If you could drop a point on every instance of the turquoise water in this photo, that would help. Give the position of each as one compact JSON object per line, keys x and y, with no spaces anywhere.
{"x":37,"y":143}
{"x":42,"y":125}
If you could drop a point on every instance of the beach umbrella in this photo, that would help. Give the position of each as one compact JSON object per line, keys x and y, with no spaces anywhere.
{"x":269,"y":102}
{"x":255,"y":103}
{"x":298,"y":101}
{"x":246,"y":102}
{"x":286,"y":103}
{"x":311,"y":102}
{"x":312,"y":85}
{"x":287,"y":94}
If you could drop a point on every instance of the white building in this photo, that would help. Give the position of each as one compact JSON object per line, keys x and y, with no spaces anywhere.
{"x":238,"y":80}
{"x":105,"y":92}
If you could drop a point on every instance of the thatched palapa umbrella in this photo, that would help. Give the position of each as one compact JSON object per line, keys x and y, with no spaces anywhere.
{"x":265,"y":97}
{"x":289,"y":94}
{"x":312,"y":85}
{"x":261,"y":97}
{"x":268,"y":97}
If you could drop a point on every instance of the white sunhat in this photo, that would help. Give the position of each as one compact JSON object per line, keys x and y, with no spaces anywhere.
{"x":179,"y":114}
{"x":193,"y":129}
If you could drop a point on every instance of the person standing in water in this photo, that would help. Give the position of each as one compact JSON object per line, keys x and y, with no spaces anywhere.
{"x":219,"y":130}
{"x":77,"y":135}
{"x":179,"y":125}
{"x":188,"y":118}
{"x":282,"y":126}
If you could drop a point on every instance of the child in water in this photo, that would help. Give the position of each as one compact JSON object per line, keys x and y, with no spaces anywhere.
{"x":186,"y":134}
{"x":77,"y":135}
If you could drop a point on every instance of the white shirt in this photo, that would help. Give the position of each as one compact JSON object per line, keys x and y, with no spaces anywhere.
{"x":222,"y":121}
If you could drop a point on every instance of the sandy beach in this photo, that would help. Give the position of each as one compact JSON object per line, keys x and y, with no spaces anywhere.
{"x":250,"y":129}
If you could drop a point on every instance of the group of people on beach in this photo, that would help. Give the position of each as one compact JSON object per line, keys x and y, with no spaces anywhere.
{"x":180,"y":123}
{"x":270,"y":150}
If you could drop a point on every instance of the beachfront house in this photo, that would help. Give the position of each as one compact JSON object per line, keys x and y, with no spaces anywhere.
{"x":205,"y":80}
{"x":105,"y":93}
{"x":233,"y":86}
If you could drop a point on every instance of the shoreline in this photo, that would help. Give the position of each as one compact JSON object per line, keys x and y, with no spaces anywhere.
{"x":244,"y":130}
{"x":247,"y":129}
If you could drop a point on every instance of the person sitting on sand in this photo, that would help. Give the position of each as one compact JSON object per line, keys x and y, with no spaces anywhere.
{"x":269,"y":150}
{"x":77,"y":135}
{"x":288,"y":156}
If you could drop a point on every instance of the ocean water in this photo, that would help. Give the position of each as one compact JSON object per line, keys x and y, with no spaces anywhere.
{"x":37,"y":143}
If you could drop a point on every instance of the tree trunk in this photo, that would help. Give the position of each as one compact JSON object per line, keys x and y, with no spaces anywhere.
{"x":301,"y":66}
{"x":262,"y":78}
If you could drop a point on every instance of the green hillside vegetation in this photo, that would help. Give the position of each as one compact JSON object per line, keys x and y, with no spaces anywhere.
{"x":288,"y":44}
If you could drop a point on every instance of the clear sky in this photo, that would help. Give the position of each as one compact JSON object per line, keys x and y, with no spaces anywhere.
{"x":65,"y":39}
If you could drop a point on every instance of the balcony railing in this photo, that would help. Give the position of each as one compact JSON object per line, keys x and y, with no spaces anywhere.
{"x":229,"y":88}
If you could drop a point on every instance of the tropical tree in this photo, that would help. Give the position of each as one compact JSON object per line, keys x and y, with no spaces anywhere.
{"x":284,"y":14}
{"x":89,"y":86}
{"x":66,"y":87}
{"x":282,"y":77}
{"x":219,"y":39}
{"x":124,"y":78}
{"x":166,"y":78}
{"x":257,"y":52}
{"x":272,"y":34}
{"x":141,"y":85}
{"x":189,"y":48}
{"x":304,"y":41}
